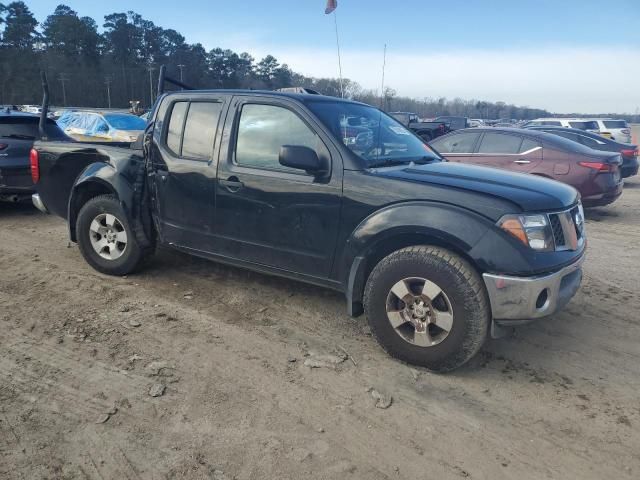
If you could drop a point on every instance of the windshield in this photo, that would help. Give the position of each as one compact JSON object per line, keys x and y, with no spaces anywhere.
{"x":615,"y":124}
{"x":26,"y":128}
{"x":123,"y":121}
{"x":371,"y":134}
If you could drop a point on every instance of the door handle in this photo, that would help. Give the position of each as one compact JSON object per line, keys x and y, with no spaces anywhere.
{"x":232,"y":184}
{"x":521,"y":162}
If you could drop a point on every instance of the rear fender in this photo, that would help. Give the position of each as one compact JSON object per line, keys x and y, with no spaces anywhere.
{"x":102,"y":178}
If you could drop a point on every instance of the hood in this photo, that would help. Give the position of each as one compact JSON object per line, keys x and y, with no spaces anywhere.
{"x":529,"y":192}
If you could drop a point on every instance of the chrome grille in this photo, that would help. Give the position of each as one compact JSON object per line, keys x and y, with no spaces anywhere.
{"x":567,"y":228}
{"x":556,"y":226}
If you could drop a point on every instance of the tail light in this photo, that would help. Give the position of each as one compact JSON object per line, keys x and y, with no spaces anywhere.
{"x":3,"y":146}
{"x":629,"y":152}
{"x":626,"y":131}
{"x":34,"y":160}
{"x":599,"y":166}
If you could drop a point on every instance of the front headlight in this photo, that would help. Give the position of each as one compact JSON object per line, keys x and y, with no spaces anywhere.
{"x":532,"y":230}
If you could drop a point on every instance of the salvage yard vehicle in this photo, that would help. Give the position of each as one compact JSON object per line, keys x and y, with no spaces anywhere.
{"x":628,"y":151}
{"x":579,"y":123}
{"x":617,"y":130}
{"x":87,"y":126}
{"x":17,"y":133}
{"x":438,"y":255}
{"x":425,"y":130}
{"x":596,"y":175}
{"x":455,"y":123}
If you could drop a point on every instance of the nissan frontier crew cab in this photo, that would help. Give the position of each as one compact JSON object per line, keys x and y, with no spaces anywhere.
{"x":438,"y":255}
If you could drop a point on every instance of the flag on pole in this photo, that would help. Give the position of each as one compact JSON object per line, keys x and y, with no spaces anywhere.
{"x":331,"y":6}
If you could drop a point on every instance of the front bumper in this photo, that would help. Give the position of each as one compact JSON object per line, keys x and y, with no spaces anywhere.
{"x":518,"y":299}
{"x":37,"y":202}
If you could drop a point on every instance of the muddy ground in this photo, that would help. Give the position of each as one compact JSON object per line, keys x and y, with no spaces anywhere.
{"x":80,"y":353}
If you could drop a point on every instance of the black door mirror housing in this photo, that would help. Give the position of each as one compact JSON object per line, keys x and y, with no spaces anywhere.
{"x":301,"y":158}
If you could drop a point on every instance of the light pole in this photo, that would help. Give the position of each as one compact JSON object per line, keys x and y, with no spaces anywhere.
{"x":63,"y":78}
{"x":108,"y":81}
{"x":150,"y":68}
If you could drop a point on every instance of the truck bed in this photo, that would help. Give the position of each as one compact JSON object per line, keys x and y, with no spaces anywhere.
{"x":61,"y":163}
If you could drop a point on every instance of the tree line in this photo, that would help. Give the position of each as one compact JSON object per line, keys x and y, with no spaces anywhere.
{"x":112,"y":65}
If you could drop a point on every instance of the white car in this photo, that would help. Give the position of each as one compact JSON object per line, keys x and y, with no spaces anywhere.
{"x":579,"y":123}
{"x":617,"y":130}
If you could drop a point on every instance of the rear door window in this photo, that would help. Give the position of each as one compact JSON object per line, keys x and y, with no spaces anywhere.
{"x":500,"y":143}
{"x":459,"y":143}
{"x":176,"y":123}
{"x":528,"y":145}
{"x":200,"y":130}
{"x":551,"y":123}
{"x":584,"y":125}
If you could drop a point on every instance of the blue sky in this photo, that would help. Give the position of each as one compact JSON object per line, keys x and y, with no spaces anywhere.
{"x":564,"y":55}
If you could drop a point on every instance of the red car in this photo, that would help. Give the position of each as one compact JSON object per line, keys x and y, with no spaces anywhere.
{"x":595,"y":174}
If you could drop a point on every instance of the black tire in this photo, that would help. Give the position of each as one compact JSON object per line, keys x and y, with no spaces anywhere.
{"x":426,"y":136}
{"x":465,"y":293}
{"x":132,"y":256}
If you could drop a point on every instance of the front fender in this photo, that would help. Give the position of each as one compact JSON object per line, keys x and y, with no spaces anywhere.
{"x":401,"y":225}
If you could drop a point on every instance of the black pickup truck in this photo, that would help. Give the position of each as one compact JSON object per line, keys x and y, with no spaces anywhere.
{"x":438,"y":255}
{"x":425,"y":130}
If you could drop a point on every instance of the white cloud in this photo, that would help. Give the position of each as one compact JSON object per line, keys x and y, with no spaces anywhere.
{"x":559,"y":79}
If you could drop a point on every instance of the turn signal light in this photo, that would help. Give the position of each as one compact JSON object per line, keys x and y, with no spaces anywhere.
{"x":629,"y":152}
{"x":514,"y":227}
{"x":34,"y":160}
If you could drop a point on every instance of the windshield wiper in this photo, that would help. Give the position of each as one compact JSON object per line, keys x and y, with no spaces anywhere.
{"x":389,"y":162}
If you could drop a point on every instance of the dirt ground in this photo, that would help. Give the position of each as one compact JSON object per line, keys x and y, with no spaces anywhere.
{"x":80,"y":353}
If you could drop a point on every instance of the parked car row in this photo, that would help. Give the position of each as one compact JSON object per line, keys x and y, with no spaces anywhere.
{"x":614,"y":129}
{"x":617,"y":130}
{"x":596,"y":173}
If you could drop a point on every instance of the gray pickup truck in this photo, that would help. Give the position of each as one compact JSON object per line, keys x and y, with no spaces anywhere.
{"x":425,"y":130}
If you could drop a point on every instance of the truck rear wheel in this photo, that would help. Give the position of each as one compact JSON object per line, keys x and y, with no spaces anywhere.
{"x":105,"y":238}
{"x":428,"y":307}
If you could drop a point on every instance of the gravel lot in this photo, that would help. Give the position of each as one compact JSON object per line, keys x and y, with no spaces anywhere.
{"x":224,"y":350}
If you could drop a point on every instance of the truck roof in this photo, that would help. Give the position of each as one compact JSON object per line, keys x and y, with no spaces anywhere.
{"x":302,"y":97}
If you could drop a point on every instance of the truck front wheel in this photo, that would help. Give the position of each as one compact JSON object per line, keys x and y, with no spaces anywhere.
{"x":428,"y":307}
{"x":105,"y":238}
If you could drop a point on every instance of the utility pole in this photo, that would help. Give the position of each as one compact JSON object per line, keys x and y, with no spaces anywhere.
{"x":150,"y":69}
{"x":107,"y":80}
{"x":384,"y":64}
{"x":181,"y":66}
{"x":63,"y":77}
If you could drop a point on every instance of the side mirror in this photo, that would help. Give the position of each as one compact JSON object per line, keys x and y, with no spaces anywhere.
{"x":301,"y":158}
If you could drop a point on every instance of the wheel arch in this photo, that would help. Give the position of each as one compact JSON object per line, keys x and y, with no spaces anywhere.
{"x":81,"y":193}
{"x":379,"y":235}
